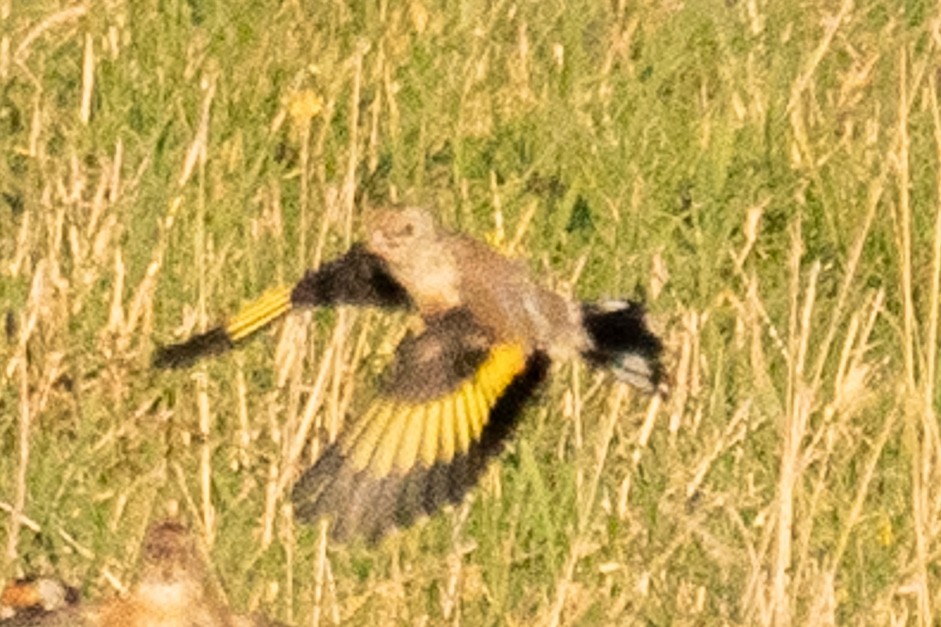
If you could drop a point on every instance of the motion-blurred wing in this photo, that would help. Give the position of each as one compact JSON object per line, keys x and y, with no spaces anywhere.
{"x":450,"y":400}
{"x":357,"y":278}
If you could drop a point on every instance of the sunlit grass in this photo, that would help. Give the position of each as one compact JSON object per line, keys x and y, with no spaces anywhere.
{"x":767,"y":176}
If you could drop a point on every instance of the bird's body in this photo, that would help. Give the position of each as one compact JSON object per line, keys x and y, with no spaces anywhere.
{"x":454,"y":391}
{"x":172,"y":586}
{"x":442,"y":271}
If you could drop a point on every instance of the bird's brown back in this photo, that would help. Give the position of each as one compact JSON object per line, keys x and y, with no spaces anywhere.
{"x":443,"y":270}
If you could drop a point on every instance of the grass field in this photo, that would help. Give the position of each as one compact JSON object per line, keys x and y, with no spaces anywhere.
{"x":767,"y":174}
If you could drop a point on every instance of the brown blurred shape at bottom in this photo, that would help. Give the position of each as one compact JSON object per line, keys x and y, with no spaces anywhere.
{"x":172,"y":590}
{"x":34,"y":596}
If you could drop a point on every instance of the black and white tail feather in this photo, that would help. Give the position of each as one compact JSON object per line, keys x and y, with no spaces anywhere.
{"x":621,"y":342}
{"x":453,"y":395}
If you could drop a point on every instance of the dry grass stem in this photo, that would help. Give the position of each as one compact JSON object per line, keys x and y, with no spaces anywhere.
{"x":770,"y":172}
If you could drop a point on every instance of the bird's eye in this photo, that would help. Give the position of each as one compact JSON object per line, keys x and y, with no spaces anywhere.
{"x":407,"y":231}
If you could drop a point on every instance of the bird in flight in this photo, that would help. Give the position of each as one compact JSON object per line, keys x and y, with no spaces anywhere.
{"x":454,"y":391}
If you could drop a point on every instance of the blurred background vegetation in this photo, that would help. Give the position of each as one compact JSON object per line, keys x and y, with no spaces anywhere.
{"x":766,"y":175}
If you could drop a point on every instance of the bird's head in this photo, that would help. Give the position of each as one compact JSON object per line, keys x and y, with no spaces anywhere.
{"x":398,"y":234}
{"x":172,"y":569}
{"x":418,"y":255}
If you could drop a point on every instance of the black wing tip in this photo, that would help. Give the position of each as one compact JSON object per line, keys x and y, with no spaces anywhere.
{"x":362,"y":505}
{"x":184,"y":354}
{"x":354,"y":503}
{"x":359,"y":505}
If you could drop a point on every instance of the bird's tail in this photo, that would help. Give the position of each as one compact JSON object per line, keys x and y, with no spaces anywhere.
{"x":255,"y":315}
{"x":621,"y":341}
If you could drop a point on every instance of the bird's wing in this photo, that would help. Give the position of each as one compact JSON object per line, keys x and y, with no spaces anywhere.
{"x":357,"y":278}
{"x":450,"y":399}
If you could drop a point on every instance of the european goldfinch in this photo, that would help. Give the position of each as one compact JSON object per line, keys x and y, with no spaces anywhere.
{"x":454,"y":390}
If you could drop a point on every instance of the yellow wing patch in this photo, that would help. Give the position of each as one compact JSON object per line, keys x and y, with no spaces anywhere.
{"x":407,"y":451}
{"x":392,"y":436}
{"x":271,"y":305}
{"x":429,"y":437}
